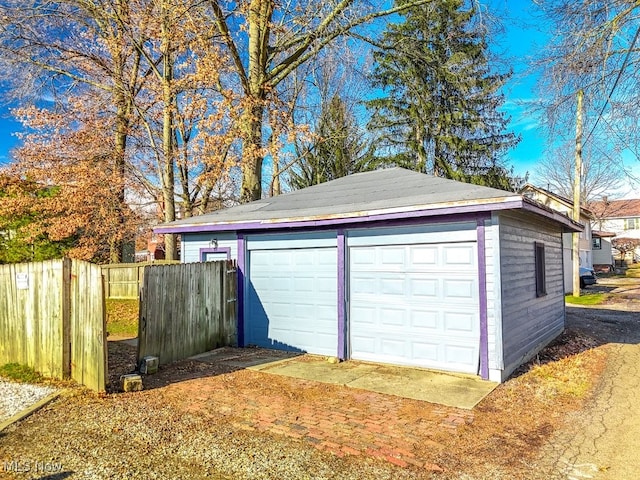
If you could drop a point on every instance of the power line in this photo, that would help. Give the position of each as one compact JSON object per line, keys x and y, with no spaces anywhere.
{"x":615,"y":84}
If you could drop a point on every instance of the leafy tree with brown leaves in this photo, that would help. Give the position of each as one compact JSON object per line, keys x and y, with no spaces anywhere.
{"x":81,"y":207}
{"x":187,"y":90}
{"x":625,"y":245}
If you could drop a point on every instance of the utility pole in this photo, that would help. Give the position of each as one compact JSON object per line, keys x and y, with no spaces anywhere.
{"x":576,"y":195}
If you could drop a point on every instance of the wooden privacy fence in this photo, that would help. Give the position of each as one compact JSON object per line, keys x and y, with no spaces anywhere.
{"x":52,"y":319}
{"x":187,"y":309}
{"x":123,"y":280}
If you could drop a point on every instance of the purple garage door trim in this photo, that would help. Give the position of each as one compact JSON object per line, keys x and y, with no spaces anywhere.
{"x":348,"y":222}
{"x":342,"y":285}
{"x":482,"y":285}
{"x":226,"y":250}
{"x":240,"y":287}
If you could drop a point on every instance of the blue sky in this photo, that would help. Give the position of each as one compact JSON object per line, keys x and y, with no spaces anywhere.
{"x":520,"y":41}
{"x":8,"y":127}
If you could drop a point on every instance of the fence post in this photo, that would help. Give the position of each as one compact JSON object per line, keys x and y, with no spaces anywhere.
{"x":142,"y":330}
{"x":105,"y":349}
{"x":66,"y":317}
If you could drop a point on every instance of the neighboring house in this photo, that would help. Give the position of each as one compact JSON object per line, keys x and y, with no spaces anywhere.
{"x":621,"y":217}
{"x":602,"y":250}
{"x":564,"y":205}
{"x":393,"y":266}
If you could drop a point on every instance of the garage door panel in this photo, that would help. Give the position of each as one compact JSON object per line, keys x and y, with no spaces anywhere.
{"x":326,"y":284}
{"x":459,"y":256}
{"x":460,"y":354}
{"x":327,"y":258}
{"x":424,"y":320}
{"x":392,"y":317}
{"x":361,"y":285}
{"x":304,"y":284}
{"x":423,"y":312}
{"x":292,"y":300}
{"x":367,"y":347}
{"x":420,"y":287}
{"x":363,"y":256}
{"x":425,"y":351}
{"x":392,"y":256}
{"x":458,"y":322}
{"x":365,"y":315}
{"x":424,"y":256}
{"x":301,"y":258}
{"x":393,"y":348}
{"x":456,"y":289}
{"x":392,"y":286}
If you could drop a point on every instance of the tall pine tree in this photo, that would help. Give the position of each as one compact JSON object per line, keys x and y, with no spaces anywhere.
{"x":439,"y":113}
{"x":337,"y":151}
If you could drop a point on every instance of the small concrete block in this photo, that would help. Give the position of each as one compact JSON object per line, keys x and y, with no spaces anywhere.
{"x":149,"y":365}
{"x":131,"y":382}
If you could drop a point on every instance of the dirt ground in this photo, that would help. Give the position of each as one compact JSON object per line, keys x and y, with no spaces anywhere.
{"x":197,"y":420}
{"x":602,"y":439}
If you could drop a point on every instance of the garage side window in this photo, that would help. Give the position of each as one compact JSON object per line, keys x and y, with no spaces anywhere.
{"x":541,"y":279}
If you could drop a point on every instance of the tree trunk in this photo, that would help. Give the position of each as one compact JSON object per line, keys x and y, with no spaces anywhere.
{"x":168,"y":178}
{"x":121,"y":133}
{"x":123,"y":104}
{"x":260,"y":13}
{"x":252,"y":154}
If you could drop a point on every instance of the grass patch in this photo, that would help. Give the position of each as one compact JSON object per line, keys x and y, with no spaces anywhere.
{"x":122,"y":317}
{"x":562,"y":369}
{"x":633,"y":271}
{"x":565,"y":377}
{"x":587,"y":299}
{"x":20,"y":373}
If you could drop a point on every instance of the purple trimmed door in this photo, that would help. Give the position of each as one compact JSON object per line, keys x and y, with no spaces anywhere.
{"x":415,"y":305}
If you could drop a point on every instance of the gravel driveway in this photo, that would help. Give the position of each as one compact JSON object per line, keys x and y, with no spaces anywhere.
{"x":15,"y":397}
{"x":602,"y":441}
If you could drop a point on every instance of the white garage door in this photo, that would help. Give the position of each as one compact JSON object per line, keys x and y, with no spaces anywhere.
{"x":292,"y":300}
{"x":415,"y":305}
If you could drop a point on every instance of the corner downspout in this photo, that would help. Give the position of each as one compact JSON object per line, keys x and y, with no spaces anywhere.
{"x":240,"y":294}
{"x":482,"y":288}
{"x":342,"y":286}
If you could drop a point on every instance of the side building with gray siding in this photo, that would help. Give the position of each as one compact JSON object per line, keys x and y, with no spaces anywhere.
{"x":529,"y":320}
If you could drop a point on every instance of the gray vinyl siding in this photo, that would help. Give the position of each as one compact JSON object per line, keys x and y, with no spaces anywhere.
{"x":193,"y":242}
{"x":529,"y":322}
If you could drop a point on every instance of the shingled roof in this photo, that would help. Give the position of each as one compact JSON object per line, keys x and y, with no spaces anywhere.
{"x":616,"y":208}
{"x":381,"y":194}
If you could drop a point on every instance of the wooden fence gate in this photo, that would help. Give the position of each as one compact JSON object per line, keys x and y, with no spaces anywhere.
{"x":52,"y":319}
{"x":187,"y":309}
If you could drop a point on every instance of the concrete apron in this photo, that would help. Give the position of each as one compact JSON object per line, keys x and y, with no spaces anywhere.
{"x":454,"y":390}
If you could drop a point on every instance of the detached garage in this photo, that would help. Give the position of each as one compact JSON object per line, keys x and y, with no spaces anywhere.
{"x":393,"y":266}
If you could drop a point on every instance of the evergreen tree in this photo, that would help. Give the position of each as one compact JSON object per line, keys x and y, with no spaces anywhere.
{"x":339,"y":149}
{"x":440,"y":110}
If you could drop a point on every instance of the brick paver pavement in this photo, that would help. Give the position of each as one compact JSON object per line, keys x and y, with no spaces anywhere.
{"x":333,"y":418}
